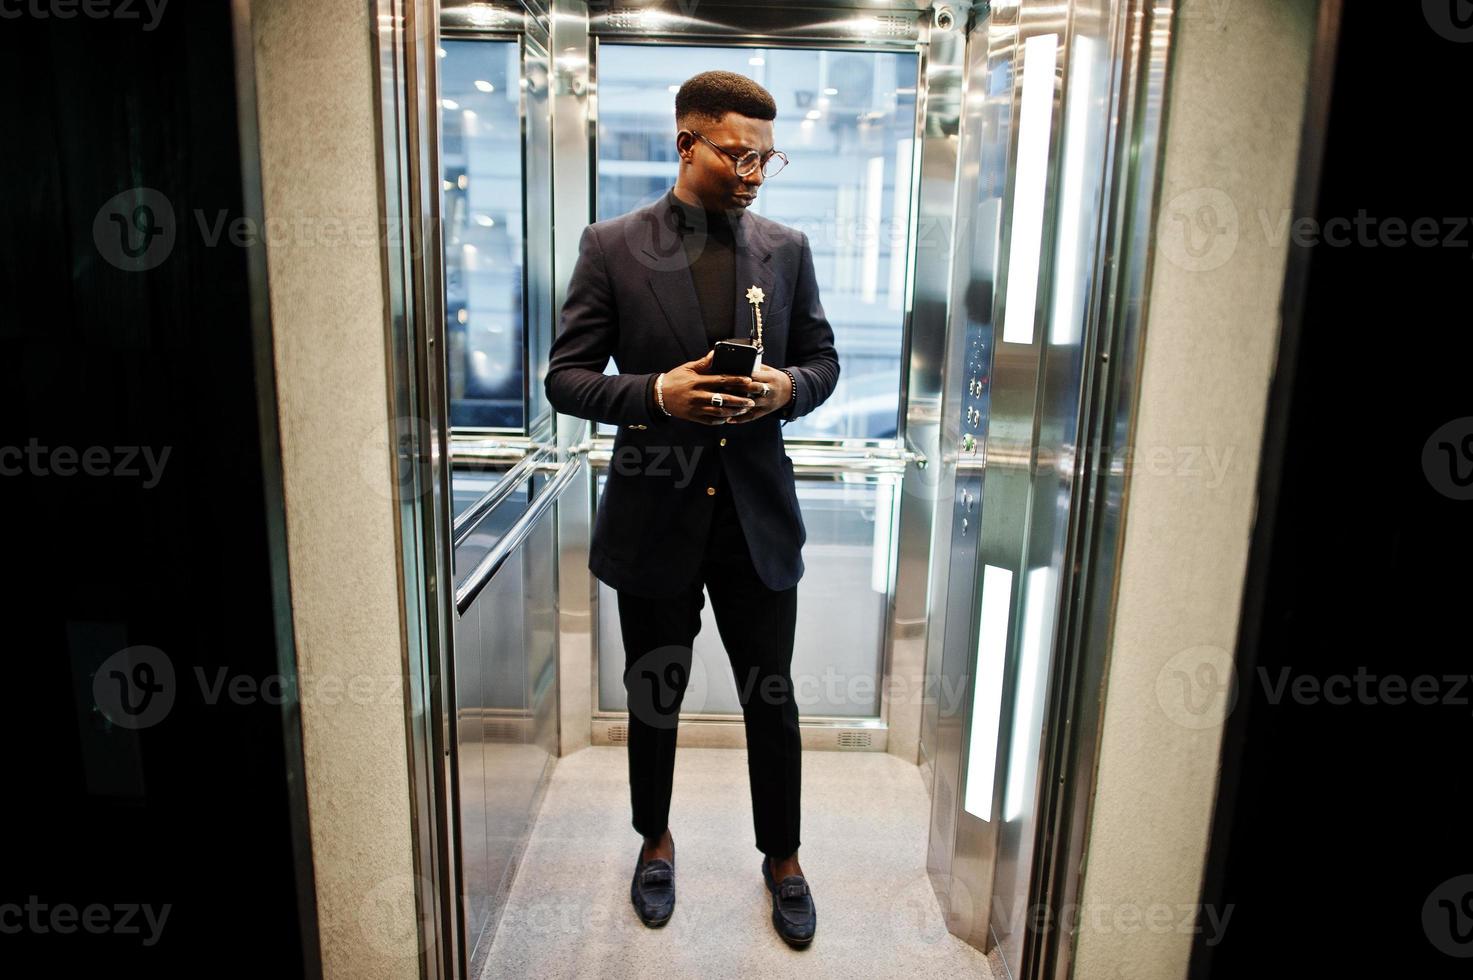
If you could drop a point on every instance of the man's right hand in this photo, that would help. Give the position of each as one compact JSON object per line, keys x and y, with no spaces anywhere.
{"x":687,"y":391}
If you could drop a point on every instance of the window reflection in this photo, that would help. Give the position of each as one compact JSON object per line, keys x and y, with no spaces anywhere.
{"x":846,"y":119}
{"x":480,"y":127}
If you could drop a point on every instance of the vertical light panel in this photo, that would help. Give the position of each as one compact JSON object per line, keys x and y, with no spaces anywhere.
{"x":879,"y":571}
{"x":1040,"y":54}
{"x":874,"y":202}
{"x":898,"y":232}
{"x":992,"y":655}
{"x":1065,"y":326}
{"x":1037,"y":643}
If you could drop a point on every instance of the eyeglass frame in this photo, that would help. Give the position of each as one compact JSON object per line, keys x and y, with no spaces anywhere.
{"x":762,"y":159}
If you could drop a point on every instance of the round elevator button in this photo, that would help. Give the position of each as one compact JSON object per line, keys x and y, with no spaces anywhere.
{"x":710,"y":491}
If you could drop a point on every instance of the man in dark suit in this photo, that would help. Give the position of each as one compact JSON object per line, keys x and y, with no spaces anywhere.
{"x":700,"y":491}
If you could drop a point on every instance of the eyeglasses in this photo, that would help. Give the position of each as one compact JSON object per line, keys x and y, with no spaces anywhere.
{"x":772,"y":162}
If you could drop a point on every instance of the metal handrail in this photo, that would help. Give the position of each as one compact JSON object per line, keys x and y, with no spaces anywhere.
{"x":466,"y":593}
{"x":510,"y":480}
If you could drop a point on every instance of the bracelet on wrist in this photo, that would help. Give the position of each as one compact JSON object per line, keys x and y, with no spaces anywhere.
{"x":660,"y":393}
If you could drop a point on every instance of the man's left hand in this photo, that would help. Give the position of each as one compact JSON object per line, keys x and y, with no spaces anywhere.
{"x":779,"y":394}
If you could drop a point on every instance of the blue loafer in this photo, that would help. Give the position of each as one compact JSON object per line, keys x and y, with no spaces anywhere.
{"x":793,"y":914}
{"x":653,"y":889}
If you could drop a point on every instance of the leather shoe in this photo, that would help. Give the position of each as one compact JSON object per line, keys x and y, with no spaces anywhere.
{"x":653,"y":888}
{"x":793,"y":913}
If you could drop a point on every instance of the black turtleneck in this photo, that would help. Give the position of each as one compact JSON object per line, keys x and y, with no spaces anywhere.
{"x":710,"y":248}
{"x":709,"y":238}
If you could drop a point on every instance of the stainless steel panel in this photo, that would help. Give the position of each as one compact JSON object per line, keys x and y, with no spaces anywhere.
{"x":417,"y":419}
{"x":537,"y":190}
{"x":924,"y":522}
{"x":1140,"y":56}
{"x":571,"y":207}
{"x":915,"y":648}
{"x":981,"y":184}
{"x":506,"y":667}
{"x":475,"y":874}
{"x":1079,"y":182}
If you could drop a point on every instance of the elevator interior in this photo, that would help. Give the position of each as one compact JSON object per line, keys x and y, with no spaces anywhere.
{"x":976,"y":180}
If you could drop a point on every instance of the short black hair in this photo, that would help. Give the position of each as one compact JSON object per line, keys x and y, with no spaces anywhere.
{"x":712,"y":94}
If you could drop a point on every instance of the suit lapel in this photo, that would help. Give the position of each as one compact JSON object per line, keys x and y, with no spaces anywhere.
{"x":752,"y":269}
{"x":656,"y":244}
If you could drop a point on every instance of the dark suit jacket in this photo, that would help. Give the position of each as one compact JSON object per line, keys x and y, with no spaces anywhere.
{"x":631,"y":297}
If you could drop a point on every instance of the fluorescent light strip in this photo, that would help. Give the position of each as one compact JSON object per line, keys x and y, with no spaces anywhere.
{"x":899,"y":222}
{"x":874,"y":201}
{"x":1038,"y":638}
{"x":1040,"y":54}
{"x":992,"y":655}
{"x":1065,"y":328}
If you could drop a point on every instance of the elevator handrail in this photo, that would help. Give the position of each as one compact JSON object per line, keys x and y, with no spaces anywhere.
{"x":510,"y":480}
{"x":516,"y":534}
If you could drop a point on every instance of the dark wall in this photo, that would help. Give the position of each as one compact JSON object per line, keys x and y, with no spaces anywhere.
{"x":1341,"y":845}
{"x":139,"y":514}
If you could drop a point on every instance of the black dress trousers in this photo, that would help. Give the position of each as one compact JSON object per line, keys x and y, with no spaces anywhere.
{"x":756,"y":626}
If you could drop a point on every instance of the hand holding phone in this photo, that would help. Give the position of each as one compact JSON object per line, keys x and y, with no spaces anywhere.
{"x":740,"y":357}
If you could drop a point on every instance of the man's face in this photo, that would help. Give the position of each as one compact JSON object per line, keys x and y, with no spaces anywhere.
{"x":712,"y":176}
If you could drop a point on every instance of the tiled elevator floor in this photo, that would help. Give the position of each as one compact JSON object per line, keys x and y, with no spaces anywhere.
{"x":863,"y":851}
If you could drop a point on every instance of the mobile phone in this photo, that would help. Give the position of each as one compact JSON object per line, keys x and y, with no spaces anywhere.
{"x":741,"y":357}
